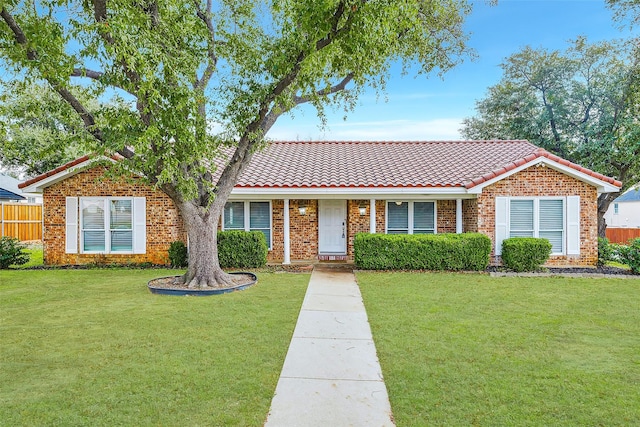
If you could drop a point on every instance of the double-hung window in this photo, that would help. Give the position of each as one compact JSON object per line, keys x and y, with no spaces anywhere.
{"x":106,"y":225}
{"x":248,"y":216}
{"x":538,"y":217}
{"x":411,"y":217}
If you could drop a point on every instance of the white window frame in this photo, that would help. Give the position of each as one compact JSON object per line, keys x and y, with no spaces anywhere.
{"x":410,"y":216}
{"x":536,"y":218}
{"x":106,"y":204}
{"x":247,"y":217}
{"x":616,"y":209}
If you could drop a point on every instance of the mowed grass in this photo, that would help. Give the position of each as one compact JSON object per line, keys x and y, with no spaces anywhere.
{"x":469,"y":349}
{"x":94,"y":347}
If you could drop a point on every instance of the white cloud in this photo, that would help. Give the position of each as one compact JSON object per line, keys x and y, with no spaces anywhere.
{"x":385,"y":130}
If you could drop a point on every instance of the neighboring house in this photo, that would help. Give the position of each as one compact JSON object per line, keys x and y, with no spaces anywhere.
{"x":311,"y":198}
{"x":624,"y":212}
{"x":10,"y":192}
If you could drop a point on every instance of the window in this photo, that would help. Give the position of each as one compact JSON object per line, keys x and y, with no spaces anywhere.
{"x":411,"y":217}
{"x":616,"y":209}
{"x":106,"y":225}
{"x":248,"y":216}
{"x":542,"y":218}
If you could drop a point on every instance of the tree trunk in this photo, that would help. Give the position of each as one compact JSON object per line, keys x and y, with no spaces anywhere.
{"x":201,"y":224}
{"x":604,"y":200}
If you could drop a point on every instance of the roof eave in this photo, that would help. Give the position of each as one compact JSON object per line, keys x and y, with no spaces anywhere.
{"x":601,"y":185}
{"x":39,"y":186}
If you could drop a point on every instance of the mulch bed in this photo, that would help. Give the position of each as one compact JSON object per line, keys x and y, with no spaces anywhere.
{"x":170,"y":282}
{"x":569,"y":270}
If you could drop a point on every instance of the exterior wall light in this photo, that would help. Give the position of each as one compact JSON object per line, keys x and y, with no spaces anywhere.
{"x":363,"y":209}
{"x":302,"y":207}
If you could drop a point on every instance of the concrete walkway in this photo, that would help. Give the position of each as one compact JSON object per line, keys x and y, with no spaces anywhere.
{"x":331,"y":375}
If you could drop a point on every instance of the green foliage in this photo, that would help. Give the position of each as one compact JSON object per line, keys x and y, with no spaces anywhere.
{"x":242,"y":249}
{"x":630,"y":255}
{"x":525,"y":253}
{"x":581,"y":104}
{"x":38,"y":130}
{"x":455,"y":252}
{"x":605,"y":251}
{"x":178,"y":256}
{"x":12,"y":252}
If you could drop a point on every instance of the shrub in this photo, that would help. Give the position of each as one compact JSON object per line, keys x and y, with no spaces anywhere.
{"x":12,"y":252}
{"x":242,"y":249}
{"x":605,"y":251}
{"x":525,"y":253}
{"x":454,"y":252}
{"x":630,"y":255}
{"x":178,"y":256}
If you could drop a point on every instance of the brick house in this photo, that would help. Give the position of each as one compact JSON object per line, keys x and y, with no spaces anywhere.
{"x":311,"y":198}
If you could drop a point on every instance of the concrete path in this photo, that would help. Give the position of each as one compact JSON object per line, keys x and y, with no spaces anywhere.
{"x":331,"y":375}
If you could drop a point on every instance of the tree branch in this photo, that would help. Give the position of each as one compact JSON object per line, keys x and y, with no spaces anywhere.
{"x":324,"y":92}
{"x":85,"y":72}
{"x":205,"y":17}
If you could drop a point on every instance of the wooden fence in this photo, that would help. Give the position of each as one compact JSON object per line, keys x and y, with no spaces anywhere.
{"x":21,"y":220}
{"x":622,"y":235}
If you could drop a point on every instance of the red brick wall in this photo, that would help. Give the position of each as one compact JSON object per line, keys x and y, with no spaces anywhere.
{"x":544,"y":181}
{"x":355,"y":222}
{"x":164,"y":224}
{"x":470,"y":216}
{"x":304,"y":230}
{"x":446,"y":216}
{"x":276,"y":254}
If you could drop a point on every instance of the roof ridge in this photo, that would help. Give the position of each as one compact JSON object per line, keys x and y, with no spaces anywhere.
{"x":441,"y":141}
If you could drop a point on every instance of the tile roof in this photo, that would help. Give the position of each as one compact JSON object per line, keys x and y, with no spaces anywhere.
{"x":385,"y":164}
{"x":333,"y":164}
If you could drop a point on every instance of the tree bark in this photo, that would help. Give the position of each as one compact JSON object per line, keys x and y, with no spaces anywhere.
{"x":604,"y":200}
{"x":201,"y":224}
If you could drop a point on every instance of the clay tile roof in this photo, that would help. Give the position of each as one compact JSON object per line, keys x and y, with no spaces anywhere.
{"x":335,"y":164}
{"x":385,"y":164}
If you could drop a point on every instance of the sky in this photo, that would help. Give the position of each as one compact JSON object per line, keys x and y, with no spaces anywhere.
{"x":432,"y":108}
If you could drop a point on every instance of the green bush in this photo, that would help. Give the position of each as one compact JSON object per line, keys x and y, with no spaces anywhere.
{"x":242,"y":249}
{"x":630,"y":255}
{"x":605,"y":251}
{"x":178,"y":255}
{"x":525,"y":253}
{"x":12,"y":252}
{"x":452,"y":252}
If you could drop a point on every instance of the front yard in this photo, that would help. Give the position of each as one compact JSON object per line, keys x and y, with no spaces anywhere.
{"x":468,"y":349}
{"x":94,"y":347}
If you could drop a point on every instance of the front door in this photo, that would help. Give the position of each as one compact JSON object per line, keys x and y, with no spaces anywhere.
{"x":332,"y":226}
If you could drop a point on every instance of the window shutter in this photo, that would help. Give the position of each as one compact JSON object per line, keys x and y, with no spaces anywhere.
{"x":71,"y":225}
{"x":139,"y":225}
{"x":573,"y":225}
{"x":501,"y":223}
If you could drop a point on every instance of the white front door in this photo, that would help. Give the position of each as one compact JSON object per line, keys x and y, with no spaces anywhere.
{"x":332,"y":226}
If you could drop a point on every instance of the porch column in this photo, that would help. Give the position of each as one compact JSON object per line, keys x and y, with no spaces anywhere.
{"x":458,"y":216}
{"x":287,"y":243}
{"x":372,"y":217}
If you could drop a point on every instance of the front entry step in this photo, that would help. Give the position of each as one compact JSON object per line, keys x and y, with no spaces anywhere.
{"x":332,"y":258}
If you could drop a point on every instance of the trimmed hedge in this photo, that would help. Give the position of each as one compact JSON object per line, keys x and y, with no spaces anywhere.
{"x":454,"y":252}
{"x":242,"y":249}
{"x":525,"y":253}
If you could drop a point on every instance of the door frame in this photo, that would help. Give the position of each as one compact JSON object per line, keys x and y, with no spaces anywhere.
{"x":343,"y":205}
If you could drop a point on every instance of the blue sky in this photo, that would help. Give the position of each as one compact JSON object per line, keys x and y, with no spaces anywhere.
{"x":431,"y":108}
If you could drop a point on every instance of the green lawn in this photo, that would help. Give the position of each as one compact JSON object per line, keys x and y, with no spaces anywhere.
{"x":468,"y":349}
{"x":94,"y":347}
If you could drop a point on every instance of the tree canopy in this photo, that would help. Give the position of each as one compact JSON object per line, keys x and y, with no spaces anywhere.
{"x":581,"y":104}
{"x":203,"y":76}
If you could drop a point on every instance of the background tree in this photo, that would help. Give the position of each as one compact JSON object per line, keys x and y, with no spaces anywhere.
{"x":38,"y":130}
{"x":581,"y":104}
{"x":188,"y":67}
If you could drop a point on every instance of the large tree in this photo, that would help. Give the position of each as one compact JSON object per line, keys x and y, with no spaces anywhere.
{"x":581,"y":104}
{"x":39,"y":131}
{"x":190,"y":67}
